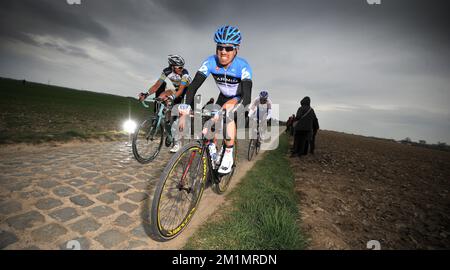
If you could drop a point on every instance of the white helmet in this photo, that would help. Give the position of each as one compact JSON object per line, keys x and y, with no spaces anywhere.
{"x":176,"y":60}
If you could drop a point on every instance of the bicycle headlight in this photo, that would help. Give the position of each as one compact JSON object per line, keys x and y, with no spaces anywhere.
{"x":129,"y":126}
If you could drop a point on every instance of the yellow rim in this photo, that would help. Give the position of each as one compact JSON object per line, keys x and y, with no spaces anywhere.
{"x":188,"y":217}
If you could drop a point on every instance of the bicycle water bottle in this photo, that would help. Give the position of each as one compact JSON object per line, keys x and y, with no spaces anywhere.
{"x":212,"y":152}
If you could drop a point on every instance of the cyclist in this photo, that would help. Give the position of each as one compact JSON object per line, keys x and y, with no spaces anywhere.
{"x":255,"y":109}
{"x":233,"y":77}
{"x":262,"y":99}
{"x":179,"y":76}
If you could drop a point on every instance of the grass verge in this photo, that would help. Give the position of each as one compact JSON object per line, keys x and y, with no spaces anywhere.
{"x":34,"y":113}
{"x":263,"y":213}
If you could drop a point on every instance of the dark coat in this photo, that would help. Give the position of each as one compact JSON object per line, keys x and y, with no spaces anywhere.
{"x":305,"y":119}
{"x":315,"y":124}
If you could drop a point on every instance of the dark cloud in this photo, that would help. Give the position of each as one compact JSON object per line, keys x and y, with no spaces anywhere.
{"x":70,"y":50}
{"x":344,"y":54}
{"x":49,"y":17}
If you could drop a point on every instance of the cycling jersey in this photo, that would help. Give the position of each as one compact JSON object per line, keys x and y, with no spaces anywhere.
{"x":227,"y":80}
{"x":256,"y":102}
{"x":177,"y":80}
{"x":233,"y":82}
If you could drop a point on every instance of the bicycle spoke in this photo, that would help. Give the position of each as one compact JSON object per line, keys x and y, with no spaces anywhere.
{"x":178,"y":204}
{"x":170,"y":211}
{"x":180,"y":192}
{"x":175,"y":217}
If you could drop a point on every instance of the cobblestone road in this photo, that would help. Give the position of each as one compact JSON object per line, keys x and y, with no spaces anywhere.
{"x":94,"y":193}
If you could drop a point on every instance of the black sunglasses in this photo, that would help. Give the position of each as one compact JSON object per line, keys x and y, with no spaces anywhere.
{"x":177,"y":67}
{"x":227,"y":48}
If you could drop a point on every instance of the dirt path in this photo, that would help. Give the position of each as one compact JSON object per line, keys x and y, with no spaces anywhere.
{"x":90,"y":192}
{"x":356,"y":189}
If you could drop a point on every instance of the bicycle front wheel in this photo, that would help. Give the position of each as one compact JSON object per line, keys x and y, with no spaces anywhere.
{"x":258,"y":146}
{"x":147,"y":141}
{"x":178,"y":192}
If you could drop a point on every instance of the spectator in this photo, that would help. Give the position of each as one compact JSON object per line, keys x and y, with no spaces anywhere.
{"x":315,"y":129}
{"x":288,"y":124}
{"x":312,"y":143}
{"x":304,"y":126}
{"x":292,"y":125}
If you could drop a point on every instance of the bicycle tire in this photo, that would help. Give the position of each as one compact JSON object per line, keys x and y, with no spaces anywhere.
{"x":251,"y":149}
{"x":141,"y":158}
{"x":159,"y":231}
{"x":258,"y":146}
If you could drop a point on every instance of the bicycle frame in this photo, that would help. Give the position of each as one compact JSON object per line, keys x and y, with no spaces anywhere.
{"x":215,"y":176}
{"x":160,"y":115}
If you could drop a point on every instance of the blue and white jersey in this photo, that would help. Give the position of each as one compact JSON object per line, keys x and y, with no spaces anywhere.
{"x":227,"y":80}
{"x":177,"y":80}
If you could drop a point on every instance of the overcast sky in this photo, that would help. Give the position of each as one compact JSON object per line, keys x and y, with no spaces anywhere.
{"x":379,"y":70}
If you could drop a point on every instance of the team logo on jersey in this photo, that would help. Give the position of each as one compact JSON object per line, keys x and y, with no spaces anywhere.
{"x":204,"y":69}
{"x":245,"y":74}
{"x":222,"y":79}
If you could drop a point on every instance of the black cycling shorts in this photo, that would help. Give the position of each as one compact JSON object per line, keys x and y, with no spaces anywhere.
{"x":221,"y":99}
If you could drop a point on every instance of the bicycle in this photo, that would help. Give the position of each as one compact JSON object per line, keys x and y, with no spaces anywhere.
{"x":254,"y":145}
{"x":149,"y":136}
{"x":182,"y":183}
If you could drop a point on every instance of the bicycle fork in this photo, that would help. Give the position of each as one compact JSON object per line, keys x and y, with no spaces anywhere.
{"x":194,"y":154}
{"x":182,"y":184}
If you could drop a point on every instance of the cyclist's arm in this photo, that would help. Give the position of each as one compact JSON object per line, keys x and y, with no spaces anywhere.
{"x":155,"y":87}
{"x":166,"y":94}
{"x":252,"y":108}
{"x":180,"y":90}
{"x":246,"y":86}
{"x":161,"y":79}
{"x":193,"y":87}
{"x":269,"y":114}
{"x":269,"y":110}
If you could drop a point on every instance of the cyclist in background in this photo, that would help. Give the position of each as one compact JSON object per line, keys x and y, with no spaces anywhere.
{"x":179,"y":76}
{"x":262,"y":99}
{"x":261,"y":107}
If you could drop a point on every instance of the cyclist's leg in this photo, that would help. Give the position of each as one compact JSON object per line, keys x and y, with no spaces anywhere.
{"x":257,"y":122}
{"x":179,"y":124}
{"x":227,"y":160}
{"x":230,"y":124}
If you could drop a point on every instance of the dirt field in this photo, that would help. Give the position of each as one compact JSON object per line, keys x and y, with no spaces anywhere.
{"x":355,"y":189}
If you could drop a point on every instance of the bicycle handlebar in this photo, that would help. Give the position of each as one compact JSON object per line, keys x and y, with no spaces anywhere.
{"x":153,"y":99}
